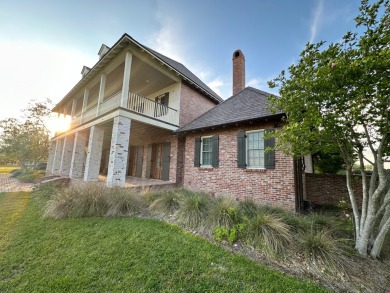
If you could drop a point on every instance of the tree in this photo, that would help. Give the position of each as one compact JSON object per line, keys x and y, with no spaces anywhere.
{"x":26,"y":140}
{"x":338,"y":96}
{"x":328,"y":163}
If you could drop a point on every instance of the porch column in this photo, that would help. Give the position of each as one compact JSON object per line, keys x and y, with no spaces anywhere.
{"x":57,"y":157}
{"x":117,"y":164}
{"x":78,"y":155}
{"x":85,"y":102}
{"x":73,"y":111}
{"x":94,"y":154}
{"x":126,"y":79}
{"x":101,"y":92}
{"x":50,"y":159}
{"x":67,"y":152}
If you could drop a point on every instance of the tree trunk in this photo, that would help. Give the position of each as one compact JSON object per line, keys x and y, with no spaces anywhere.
{"x":377,"y":247}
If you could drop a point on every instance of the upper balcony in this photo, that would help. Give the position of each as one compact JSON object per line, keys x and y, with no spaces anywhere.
{"x":135,"y":103}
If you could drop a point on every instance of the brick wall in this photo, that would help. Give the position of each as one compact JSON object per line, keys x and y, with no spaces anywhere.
{"x":329,"y":189}
{"x":273,"y":187}
{"x":192,"y":104}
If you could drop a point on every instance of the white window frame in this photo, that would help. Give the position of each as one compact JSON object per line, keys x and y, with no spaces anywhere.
{"x":201,"y":151}
{"x":247,"y":149}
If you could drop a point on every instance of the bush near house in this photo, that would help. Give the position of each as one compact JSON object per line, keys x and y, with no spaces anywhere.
{"x":319,"y":244}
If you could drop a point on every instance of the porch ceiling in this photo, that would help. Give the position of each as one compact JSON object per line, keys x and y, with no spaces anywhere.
{"x":140,"y":134}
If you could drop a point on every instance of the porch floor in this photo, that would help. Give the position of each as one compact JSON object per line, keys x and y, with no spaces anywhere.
{"x":132,"y":182}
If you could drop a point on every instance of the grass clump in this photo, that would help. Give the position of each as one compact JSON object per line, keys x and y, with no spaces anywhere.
{"x":320,"y":248}
{"x":165,"y":203}
{"x":193,"y":209}
{"x":268,"y":233}
{"x":223,"y":212}
{"x":93,"y":200}
{"x":124,"y":202}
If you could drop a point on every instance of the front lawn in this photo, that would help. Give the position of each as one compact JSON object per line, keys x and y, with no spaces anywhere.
{"x":120,"y":255}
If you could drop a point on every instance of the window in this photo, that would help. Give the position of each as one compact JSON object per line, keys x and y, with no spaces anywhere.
{"x":206,"y":151}
{"x":255,"y":149}
{"x":255,"y":152}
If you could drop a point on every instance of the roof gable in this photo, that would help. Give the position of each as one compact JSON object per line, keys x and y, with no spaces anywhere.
{"x":249,"y":104}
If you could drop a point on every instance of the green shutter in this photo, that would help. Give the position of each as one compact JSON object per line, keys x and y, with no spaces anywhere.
{"x":140,"y":157}
{"x":215,"y":151}
{"x":269,"y":154}
{"x":241,"y":150}
{"x":198,"y":142}
{"x":148,"y":161}
{"x":166,"y":158}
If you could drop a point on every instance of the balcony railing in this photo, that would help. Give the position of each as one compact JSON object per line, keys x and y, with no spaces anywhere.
{"x":136,"y":103}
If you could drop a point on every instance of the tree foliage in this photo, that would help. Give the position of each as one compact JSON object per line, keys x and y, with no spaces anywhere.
{"x":26,"y":140}
{"x":338,"y":96}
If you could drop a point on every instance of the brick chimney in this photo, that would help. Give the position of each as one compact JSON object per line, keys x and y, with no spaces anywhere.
{"x":238,"y":71}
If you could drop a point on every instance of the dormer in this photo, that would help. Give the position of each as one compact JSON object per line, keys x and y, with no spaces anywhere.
{"x":103,"y":50}
{"x":85,"y":71}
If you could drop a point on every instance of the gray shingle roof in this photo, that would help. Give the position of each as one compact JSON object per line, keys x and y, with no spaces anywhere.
{"x":184,"y":71}
{"x":249,"y":104}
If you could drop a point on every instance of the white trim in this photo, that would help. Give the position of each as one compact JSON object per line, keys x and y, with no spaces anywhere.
{"x":201,"y":151}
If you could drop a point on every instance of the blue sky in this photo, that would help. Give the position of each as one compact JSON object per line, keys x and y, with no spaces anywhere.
{"x":44,"y":44}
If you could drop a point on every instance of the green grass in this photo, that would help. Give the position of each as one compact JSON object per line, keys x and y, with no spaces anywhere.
{"x":5,"y":169}
{"x":120,"y":255}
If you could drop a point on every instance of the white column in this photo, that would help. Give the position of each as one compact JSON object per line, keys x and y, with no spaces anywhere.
{"x":101,"y":92}
{"x":73,"y":111}
{"x":117,"y":164}
{"x":78,"y":155}
{"x":57,"y":157}
{"x":85,"y":102}
{"x":94,"y":154}
{"x":126,"y":79}
{"x":50,"y":159}
{"x":67,"y":152}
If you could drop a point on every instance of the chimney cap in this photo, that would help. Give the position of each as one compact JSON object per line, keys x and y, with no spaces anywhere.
{"x":237,"y":54}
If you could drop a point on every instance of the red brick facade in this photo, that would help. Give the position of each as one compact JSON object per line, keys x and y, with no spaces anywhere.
{"x":272,"y":186}
{"x":328,"y":189}
{"x":192,"y":104}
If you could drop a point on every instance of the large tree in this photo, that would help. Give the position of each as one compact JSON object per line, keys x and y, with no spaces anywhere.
{"x":26,"y":139}
{"x":338,"y":96}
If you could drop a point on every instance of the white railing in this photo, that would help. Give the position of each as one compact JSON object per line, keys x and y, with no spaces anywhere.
{"x":110,"y":104}
{"x":76,"y":120}
{"x":89,"y":114}
{"x":150,"y":108}
{"x":136,"y":103}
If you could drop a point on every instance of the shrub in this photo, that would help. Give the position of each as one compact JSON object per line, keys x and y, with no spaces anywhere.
{"x":84,"y":200}
{"x":319,"y":247}
{"x":232,"y":234}
{"x":124,"y":202}
{"x":269,"y":233}
{"x":15,"y":173}
{"x":248,"y":208}
{"x":193,"y":207}
{"x":165,"y":203}
{"x":223,"y":212}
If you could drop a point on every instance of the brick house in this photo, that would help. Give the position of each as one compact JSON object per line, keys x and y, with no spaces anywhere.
{"x":138,"y":113}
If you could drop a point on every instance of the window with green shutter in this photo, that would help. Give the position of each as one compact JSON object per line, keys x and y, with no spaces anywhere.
{"x":206,"y":151}
{"x":254,"y":151}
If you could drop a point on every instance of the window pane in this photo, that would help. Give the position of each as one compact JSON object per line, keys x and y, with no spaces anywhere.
{"x":206,"y":151}
{"x":255,"y":149}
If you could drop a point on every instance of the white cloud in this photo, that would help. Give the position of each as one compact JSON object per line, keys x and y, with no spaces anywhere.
{"x":316,"y":20}
{"x":217,"y":85}
{"x":31,"y":70}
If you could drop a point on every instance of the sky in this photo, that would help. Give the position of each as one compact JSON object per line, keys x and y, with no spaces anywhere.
{"x":45,"y":43}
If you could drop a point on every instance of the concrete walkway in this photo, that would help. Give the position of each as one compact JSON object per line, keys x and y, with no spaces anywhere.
{"x":8,"y":184}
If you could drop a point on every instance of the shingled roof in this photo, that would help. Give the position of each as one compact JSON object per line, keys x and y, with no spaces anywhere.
{"x":184,"y":71}
{"x":250,"y":104}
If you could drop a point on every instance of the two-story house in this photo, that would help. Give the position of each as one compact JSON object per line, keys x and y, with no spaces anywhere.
{"x":139,"y":113}
{"x":124,"y":114}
